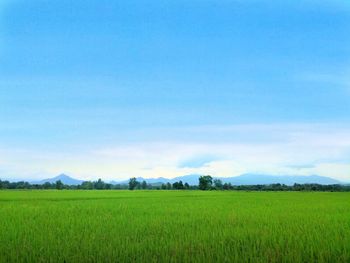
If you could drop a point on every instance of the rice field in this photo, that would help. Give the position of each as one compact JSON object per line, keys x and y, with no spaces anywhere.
{"x":174,"y":226}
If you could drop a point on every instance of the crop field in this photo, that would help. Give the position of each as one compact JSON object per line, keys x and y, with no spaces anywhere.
{"x":174,"y":226}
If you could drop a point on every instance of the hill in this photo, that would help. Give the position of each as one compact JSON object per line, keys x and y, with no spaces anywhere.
{"x":64,"y":179}
{"x":245,"y":179}
{"x":250,"y":179}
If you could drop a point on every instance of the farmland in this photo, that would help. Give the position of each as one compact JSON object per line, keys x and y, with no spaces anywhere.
{"x":174,"y":226}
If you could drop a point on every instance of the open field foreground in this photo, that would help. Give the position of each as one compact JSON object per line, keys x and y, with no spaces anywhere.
{"x":174,"y":226}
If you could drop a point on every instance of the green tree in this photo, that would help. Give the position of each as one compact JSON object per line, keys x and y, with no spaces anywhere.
{"x":133,"y":183}
{"x":178,"y":185}
{"x":59,"y":185}
{"x":205,"y":182}
{"x":99,"y":184}
{"x":218,"y":184}
{"x":144,"y":185}
{"x":108,"y":186}
{"x":47,"y":185}
{"x":87,"y":185}
{"x":181,"y":185}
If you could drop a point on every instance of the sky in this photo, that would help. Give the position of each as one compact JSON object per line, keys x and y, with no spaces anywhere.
{"x":152,"y":88}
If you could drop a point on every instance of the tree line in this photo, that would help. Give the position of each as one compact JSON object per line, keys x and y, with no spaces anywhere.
{"x":208,"y":183}
{"x":59,"y":185}
{"x":205,"y":183}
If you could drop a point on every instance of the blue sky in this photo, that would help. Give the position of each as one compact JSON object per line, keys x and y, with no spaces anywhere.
{"x":114,"y":89}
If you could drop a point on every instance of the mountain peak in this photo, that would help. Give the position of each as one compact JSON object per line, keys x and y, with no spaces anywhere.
{"x":63,"y":178}
{"x":247,"y":179}
{"x":192,"y":179}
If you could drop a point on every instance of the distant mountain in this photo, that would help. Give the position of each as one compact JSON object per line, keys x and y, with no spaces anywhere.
{"x":249,"y":179}
{"x":64,"y":179}
{"x":159,"y":180}
{"x":191,"y":179}
{"x":245,"y":179}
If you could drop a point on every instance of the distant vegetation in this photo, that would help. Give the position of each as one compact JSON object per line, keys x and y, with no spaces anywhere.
{"x":204,"y":183}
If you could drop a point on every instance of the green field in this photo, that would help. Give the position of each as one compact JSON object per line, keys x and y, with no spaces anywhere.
{"x":174,"y":226}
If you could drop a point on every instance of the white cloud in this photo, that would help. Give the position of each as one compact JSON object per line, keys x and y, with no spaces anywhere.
{"x":282,"y":149}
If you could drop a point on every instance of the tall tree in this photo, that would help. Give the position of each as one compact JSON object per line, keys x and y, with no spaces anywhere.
{"x":133,"y":183}
{"x":176,"y":185}
{"x":59,"y":185}
{"x":205,"y":182}
{"x":218,"y":184}
{"x":99,"y":184}
{"x":181,"y":185}
{"x":144,"y":185}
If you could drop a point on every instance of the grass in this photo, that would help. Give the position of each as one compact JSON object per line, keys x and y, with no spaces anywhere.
{"x":174,"y":226}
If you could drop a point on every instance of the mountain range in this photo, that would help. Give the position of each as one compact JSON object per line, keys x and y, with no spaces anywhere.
{"x":192,"y":179}
{"x":247,"y":179}
{"x":62,"y":177}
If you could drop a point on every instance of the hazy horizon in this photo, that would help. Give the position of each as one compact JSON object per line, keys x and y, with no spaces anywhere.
{"x":120,"y":89}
